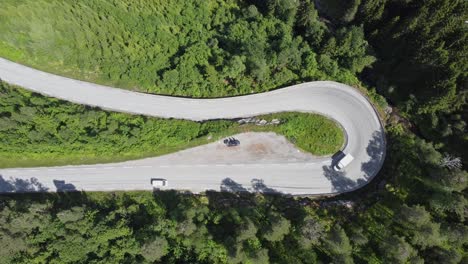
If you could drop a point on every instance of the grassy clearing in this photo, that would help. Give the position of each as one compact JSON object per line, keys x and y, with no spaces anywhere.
{"x":310,"y":132}
{"x":41,"y":131}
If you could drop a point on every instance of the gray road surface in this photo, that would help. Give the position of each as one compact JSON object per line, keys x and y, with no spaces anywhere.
{"x":365,"y":139}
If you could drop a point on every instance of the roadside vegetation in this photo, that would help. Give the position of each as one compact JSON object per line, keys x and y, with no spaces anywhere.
{"x":413,"y":52}
{"x":37,"y":131}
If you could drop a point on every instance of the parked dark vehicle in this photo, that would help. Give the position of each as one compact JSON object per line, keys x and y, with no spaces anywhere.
{"x":231,"y":142}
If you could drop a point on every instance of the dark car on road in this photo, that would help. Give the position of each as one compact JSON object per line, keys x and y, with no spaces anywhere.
{"x":231,"y":142}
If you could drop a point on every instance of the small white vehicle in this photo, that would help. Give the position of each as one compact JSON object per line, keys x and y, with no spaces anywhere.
{"x":157,"y":182}
{"x":343,"y":162}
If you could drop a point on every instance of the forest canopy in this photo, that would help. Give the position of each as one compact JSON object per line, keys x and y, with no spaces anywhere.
{"x":186,"y":47}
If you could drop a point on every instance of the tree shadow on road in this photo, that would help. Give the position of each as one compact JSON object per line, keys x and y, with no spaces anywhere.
{"x":259,"y":186}
{"x":61,"y":186}
{"x":229,"y":185}
{"x":13,"y":185}
{"x":376,"y":151}
{"x":338,"y":179}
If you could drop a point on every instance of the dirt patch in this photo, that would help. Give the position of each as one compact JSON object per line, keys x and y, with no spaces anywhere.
{"x":255,"y":147}
{"x":258,"y":149}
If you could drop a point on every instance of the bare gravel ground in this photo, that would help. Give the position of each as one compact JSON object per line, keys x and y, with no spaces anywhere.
{"x":255,"y":148}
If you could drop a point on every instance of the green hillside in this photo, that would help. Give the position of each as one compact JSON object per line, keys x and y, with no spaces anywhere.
{"x":191,"y":48}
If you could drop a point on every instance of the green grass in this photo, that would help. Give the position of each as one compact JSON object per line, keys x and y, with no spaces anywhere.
{"x":41,"y":131}
{"x":310,"y":132}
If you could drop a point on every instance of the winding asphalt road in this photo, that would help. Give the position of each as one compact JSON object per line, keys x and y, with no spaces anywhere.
{"x":344,"y":104}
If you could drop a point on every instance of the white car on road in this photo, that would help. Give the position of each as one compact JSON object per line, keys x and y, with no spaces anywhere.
{"x":157,"y":182}
{"x":343,"y":162}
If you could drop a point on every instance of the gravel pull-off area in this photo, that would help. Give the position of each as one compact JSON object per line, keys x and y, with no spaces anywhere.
{"x":254,"y":148}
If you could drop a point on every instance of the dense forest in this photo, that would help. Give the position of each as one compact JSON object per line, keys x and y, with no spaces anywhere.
{"x":412,"y":51}
{"x":186,"y":47}
{"x":414,"y":212}
{"x":37,"y":131}
{"x":422,"y":64}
